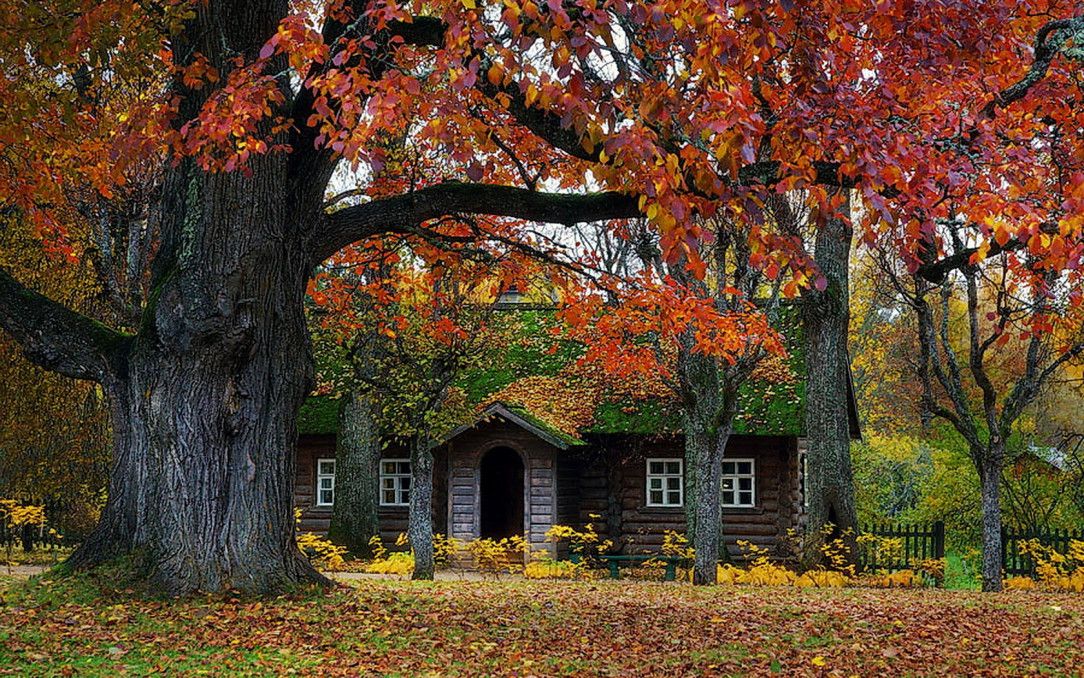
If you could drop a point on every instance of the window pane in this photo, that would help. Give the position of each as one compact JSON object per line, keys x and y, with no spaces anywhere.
{"x":745,"y":483}
{"x":326,"y":467}
{"x":404,"y":467}
{"x":656,"y":497}
{"x":728,"y":498}
{"x":673,"y":467}
{"x":326,"y":496}
{"x":673,"y":498}
{"x":747,"y":498}
{"x":388,"y":496}
{"x":728,"y":468}
{"x":728,"y":483}
{"x":404,"y":483}
{"x":654,"y":483}
{"x":673,"y":483}
{"x":387,"y":467}
{"x":654,"y":467}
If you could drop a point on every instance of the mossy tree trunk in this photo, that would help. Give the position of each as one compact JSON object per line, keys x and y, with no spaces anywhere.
{"x":420,"y":522}
{"x":354,"y":517}
{"x":826,"y":322}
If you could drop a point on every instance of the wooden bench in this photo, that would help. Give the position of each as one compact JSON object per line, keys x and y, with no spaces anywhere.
{"x":614,"y":563}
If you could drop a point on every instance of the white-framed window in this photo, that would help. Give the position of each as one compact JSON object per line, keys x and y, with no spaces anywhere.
{"x":739,"y":483}
{"x":665,"y":482}
{"x":394,"y":482}
{"x":325,"y":482}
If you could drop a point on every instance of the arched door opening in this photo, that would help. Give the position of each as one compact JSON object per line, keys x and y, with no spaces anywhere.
{"x":501,"y":480}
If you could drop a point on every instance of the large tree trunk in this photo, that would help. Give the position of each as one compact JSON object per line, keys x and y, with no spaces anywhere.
{"x":990,"y":471}
{"x":122,"y":527}
{"x":420,"y":522}
{"x":354,"y":520}
{"x":205,"y":408}
{"x":826,"y":320}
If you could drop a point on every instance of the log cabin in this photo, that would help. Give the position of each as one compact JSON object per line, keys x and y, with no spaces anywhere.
{"x":514,"y":469}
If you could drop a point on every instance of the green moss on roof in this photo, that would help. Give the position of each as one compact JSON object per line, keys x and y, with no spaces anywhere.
{"x":319,"y":415}
{"x":765,"y":407}
{"x":535,"y":353}
{"x":539,"y":423}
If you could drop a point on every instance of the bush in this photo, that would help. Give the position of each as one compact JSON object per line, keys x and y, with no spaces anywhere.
{"x":547,"y":568}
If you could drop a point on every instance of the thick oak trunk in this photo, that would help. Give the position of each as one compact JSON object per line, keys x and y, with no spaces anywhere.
{"x":354,"y":520}
{"x":420,"y":521}
{"x":826,"y":322}
{"x":205,"y":409}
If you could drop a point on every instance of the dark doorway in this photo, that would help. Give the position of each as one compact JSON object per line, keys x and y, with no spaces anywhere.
{"x":501,"y":493}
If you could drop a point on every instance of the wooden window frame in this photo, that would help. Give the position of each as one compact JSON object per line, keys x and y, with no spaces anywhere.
{"x":735,"y":477}
{"x":322,"y":476}
{"x":397,"y":482}
{"x":648,"y":475}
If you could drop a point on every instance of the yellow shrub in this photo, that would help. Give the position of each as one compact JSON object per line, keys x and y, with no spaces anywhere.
{"x":400,"y":563}
{"x":546,"y":568}
{"x":822,"y":579}
{"x":498,"y":555}
{"x":585,"y":543}
{"x":1053,"y":570}
{"x":900,"y":579}
{"x":1020,"y":583}
{"x":321,"y":552}
{"x":16,"y":515}
{"x":677,"y":545}
{"x":444,"y":549}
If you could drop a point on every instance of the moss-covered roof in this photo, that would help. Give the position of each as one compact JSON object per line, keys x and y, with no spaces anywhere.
{"x":530,"y":376}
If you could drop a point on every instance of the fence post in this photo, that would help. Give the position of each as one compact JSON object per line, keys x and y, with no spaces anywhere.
{"x":939,"y":539}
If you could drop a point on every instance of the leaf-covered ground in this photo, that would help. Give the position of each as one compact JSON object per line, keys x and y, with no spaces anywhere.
{"x":522,"y":628}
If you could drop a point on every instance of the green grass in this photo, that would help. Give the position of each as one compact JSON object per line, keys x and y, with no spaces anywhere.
{"x":87,"y":626}
{"x":960,"y":574}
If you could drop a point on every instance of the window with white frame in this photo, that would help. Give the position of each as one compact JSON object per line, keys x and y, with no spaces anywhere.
{"x":739,"y":483}
{"x":394,"y":482}
{"x":325,"y":482}
{"x":665,"y":482}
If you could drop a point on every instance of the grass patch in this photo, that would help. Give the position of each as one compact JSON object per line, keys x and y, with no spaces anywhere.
{"x":81,"y":623}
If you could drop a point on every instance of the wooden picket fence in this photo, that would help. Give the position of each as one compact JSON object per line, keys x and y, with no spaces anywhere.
{"x":921,"y":541}
{"x":1017,"y":563}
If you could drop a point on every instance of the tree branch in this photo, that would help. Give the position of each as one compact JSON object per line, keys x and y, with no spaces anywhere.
{"x":57,"y":338}
{"x":1048,"y":42}
{"x":402,"y":212}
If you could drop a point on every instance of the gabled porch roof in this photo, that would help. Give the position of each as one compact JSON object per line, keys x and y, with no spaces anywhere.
{"x":525,"y":420}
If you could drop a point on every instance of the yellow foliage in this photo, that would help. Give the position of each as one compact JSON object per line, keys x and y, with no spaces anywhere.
{"x":771,"y":574}
{"x":321,"y":552}
{"x":822,"y":579}
{"x":498,"y":555}
{"x":1020,"y":583}
{"x":586,"y":542}
{"x":677,"y":545}
{"x":546,"y":568}
{"x":16,"y":515}
{"x":444,"y":549}
{"x":399,"y":562}
{"x":900,"y":579}
{"x":1053,"y":570}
